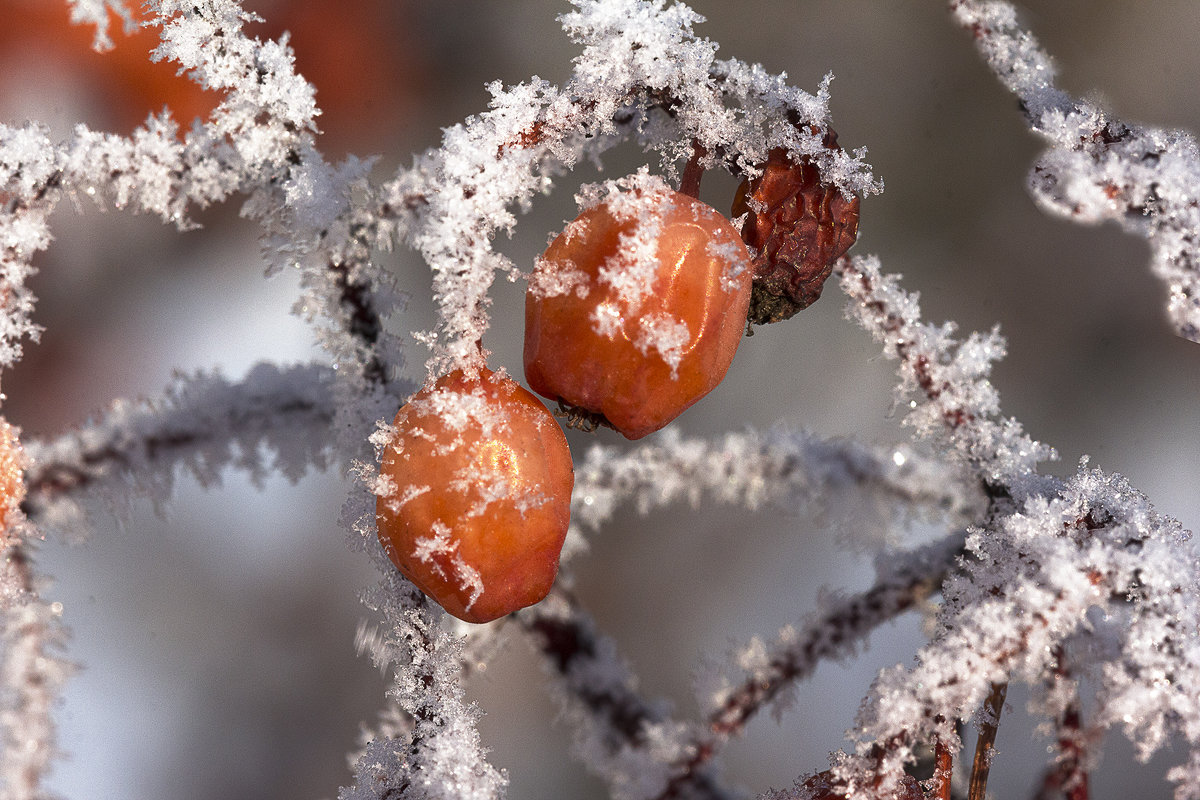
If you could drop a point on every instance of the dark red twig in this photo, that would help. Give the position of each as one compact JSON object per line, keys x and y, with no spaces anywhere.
{"x":985,"y":746}
{"x":943,"y":769}
{"x":689,"y":183}
{"x":919,"y":575}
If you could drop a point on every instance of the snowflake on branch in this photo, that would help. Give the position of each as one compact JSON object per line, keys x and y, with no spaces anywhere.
{"x":1035,"y":579}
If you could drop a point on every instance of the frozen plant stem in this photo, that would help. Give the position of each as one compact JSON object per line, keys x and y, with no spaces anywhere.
{"x":985,"y":746}
{"x":1098,"y":167}
{"x":1067,"y":777}
{"x":943,"y":769}
{"x":693,"y":171}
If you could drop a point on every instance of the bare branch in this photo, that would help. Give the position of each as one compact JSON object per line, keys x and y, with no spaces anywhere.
{"x":624,"y":739}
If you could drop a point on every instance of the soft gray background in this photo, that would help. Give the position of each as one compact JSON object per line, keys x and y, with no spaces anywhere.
{"x":216,"y":640}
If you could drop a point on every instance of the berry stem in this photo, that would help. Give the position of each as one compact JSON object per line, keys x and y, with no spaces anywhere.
{"x":984,"y":746}
{"x":942,"y":770}
{"x":689,"y":184}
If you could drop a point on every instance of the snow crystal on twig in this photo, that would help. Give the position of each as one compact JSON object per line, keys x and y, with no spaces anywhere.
{"x":1099,"y":167}
{"x":943,"y":381}
{"x":442,"y":758}
{"x":203,"y":423}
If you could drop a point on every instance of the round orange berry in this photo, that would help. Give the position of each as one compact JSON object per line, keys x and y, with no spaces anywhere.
{"x":637,"y":307}
{"x":474,"y":495}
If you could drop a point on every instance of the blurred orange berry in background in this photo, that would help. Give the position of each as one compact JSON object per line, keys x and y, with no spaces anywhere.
{"x":356,"y":54}
{"x":12,"y":477}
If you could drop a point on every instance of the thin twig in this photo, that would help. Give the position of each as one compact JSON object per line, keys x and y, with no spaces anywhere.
{"x":624,"y":721}
{"x":919,"y":575}
{"x":1067,"y":777}
{"x":689,"y":183}
{"x":196,"y":422}
{"x":985,"y":746}
{"x":943,"y":770}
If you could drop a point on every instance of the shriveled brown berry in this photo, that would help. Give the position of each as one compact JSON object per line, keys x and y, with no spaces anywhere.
{"x":796,"y":228}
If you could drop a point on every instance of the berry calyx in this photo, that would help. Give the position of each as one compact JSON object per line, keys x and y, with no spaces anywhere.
{"x":474,"y":495}
{"x":636,"y":309}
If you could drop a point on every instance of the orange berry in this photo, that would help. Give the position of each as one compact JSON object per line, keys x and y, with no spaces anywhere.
{"x":636,"y":309}
{"x":12,"y":476}
{"x":475,"y":495}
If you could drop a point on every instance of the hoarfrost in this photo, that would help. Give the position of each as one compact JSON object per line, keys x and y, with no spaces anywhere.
{"x":1026,"y":560}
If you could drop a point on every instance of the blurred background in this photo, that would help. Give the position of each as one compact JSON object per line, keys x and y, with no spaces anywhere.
{"x":216,"y":639}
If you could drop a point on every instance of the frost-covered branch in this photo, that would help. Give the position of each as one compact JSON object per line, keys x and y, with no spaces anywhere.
{"x":944,"y":382}
{"x":642,"y":72}
{"x":1099,"y":167}
{"x":203,"y":423}
{"x":442,"y":757}
{"x":1047,"y":554}
{"x":754,"y":468}
{"x":31,"y":642}
{"x":1058,"y":698}
{"x":763,"y":674}
{"x":765,"y":671}
{"x":264,"y":121}
{"x":631,"y":743}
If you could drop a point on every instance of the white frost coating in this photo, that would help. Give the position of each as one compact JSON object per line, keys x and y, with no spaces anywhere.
{"x":665,"y":335}
{"x":763,"y":673}
{"x":273,"y":421}
{"x":1050,"y":552}
{"x":607,"y":320}
{"x":267,"y":113}
{"x":96,"y":13}
{"x":565,"y":278}
{"x":33,"y":670}
{"x":943,"y":381}
{"x":442,"y":757}
{"x":631,"y":272}
{"x":630,"y":743}
{"x":1033,"y":577}
{"x":1099,"y":167}
{"x":733,"y":253}
{"x":442,"y":545}
{"x":751,"y":469}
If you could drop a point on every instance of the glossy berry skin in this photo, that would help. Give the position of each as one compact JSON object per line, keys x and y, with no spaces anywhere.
{"x":636,"y":309}
{"x":475,"y":495}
